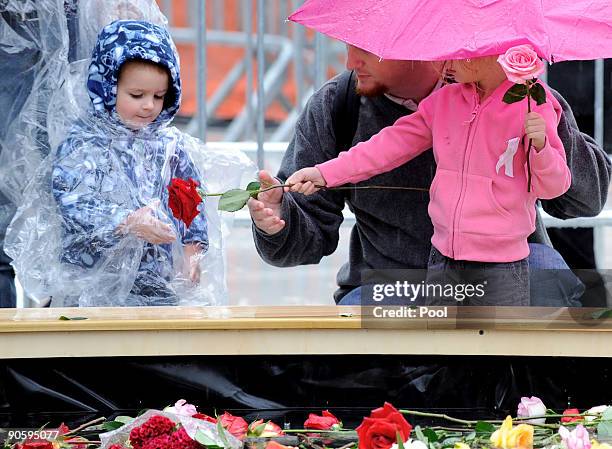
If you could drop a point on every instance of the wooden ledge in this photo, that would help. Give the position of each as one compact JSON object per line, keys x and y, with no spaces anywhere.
{"x":38,"y":333}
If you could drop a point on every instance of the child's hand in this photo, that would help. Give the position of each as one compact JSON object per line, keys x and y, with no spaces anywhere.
{"x":535,"y":128}
{"x":145,"y":226}
{"x":307,"y":181}
{"x":193,"y":253}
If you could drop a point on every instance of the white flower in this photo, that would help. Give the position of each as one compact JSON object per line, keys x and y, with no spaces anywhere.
{"x":181,"y":408}
{"x":411,"y":444}
{"x":529,"y":407}
{"x":595,"y":411}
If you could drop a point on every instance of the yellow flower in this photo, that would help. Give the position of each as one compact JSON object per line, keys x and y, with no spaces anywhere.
{"x":461,"y":446}
{"x":507,"y":437}
{"x":597,"y":445}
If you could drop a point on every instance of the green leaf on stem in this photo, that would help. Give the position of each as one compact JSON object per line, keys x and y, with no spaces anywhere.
{"x":234,"y":200}
{"x":450,"y":442}
{"x":431,"y":435}
{"x":420,"y":435}
{"x":221,"y":432}
{"x":112,"y":425}
{"x":538,"y":93}
{"x":254,"y":188}
{"x":601,"y":314}
{"x":484,"y":427}
{"x":515,"y":93}
{"x":258,"y":430}
{"x":470,"y":436}
{"x":604,"y":428}
{"x":205,"y":440}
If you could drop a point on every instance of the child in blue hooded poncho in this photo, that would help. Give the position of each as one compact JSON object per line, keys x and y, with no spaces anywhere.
{"x":110,"y":175}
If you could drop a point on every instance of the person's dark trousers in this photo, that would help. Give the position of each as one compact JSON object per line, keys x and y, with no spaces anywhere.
{"x":576,"y":247}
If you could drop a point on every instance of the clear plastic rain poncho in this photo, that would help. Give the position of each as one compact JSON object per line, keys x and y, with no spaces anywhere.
{"x":33,"y":44}
{"x":87,"y":230}
{"x":92,"y":15}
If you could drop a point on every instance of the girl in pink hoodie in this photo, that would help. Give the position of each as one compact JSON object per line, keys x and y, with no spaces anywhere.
{"x":482,"y":204}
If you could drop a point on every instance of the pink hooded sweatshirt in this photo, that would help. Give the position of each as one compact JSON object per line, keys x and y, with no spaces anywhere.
{"x":480,"y":209}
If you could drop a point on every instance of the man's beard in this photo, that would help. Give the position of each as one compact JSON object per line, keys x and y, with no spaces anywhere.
{"x":374,"y":91}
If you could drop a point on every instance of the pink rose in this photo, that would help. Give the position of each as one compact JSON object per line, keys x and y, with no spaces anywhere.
{"x":532,"y":406}
{"x":576,"y":439}
{"x":258,"y":429}
{"x":182,"y":408}
{"x":521,"y":64}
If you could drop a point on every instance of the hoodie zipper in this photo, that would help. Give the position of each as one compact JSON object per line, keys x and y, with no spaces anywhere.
{"x":468,"y":143}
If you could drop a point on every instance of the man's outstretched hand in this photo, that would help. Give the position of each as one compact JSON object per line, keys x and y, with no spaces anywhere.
{"x":266,"y":209}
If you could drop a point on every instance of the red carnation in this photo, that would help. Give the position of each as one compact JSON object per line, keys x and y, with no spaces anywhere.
{"x":324,"y":422}
{"x":235,"y":425}
{"x":379,"y":431}
{"x":181,"y":440}
{"x":158,"y":442}
{"x":571,"y":411}
{"x":184,"y":199}
{"x":156,"y":425}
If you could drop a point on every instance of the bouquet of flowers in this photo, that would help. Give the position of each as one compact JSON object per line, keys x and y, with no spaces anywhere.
{"x":182,"y":427}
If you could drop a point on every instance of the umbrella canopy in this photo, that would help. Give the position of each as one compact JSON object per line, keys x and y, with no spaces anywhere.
{"x":431,"y":30}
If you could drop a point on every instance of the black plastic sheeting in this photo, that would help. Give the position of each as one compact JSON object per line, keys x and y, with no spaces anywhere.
{"x":287,"y":388}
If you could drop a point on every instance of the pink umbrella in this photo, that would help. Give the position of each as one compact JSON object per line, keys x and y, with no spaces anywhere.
{"x":431,"y":30}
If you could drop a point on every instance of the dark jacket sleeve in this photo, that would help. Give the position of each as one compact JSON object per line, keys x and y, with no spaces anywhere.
{"x":590,"y":168}
{"x":312,"y":222}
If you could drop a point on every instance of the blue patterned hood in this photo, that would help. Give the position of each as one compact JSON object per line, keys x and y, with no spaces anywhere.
{"x":126,"y":40}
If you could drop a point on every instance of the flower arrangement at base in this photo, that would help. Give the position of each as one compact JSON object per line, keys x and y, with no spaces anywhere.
{"x":182,"y":427}
{"x":166,"y":430}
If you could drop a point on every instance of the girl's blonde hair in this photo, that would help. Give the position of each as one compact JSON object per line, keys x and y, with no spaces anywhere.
{"x":471,"y":64}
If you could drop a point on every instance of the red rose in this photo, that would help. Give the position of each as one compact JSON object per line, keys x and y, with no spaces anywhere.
{"x":379,"y":431}
{"x":235,"y":425}
{"x":184,"y":199}
{"x":324,"y":422}
{"x":571,"y":411}
{"x":258,"y":429}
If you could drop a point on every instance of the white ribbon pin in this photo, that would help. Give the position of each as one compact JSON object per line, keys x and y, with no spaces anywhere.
{"x":507,"y":158}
